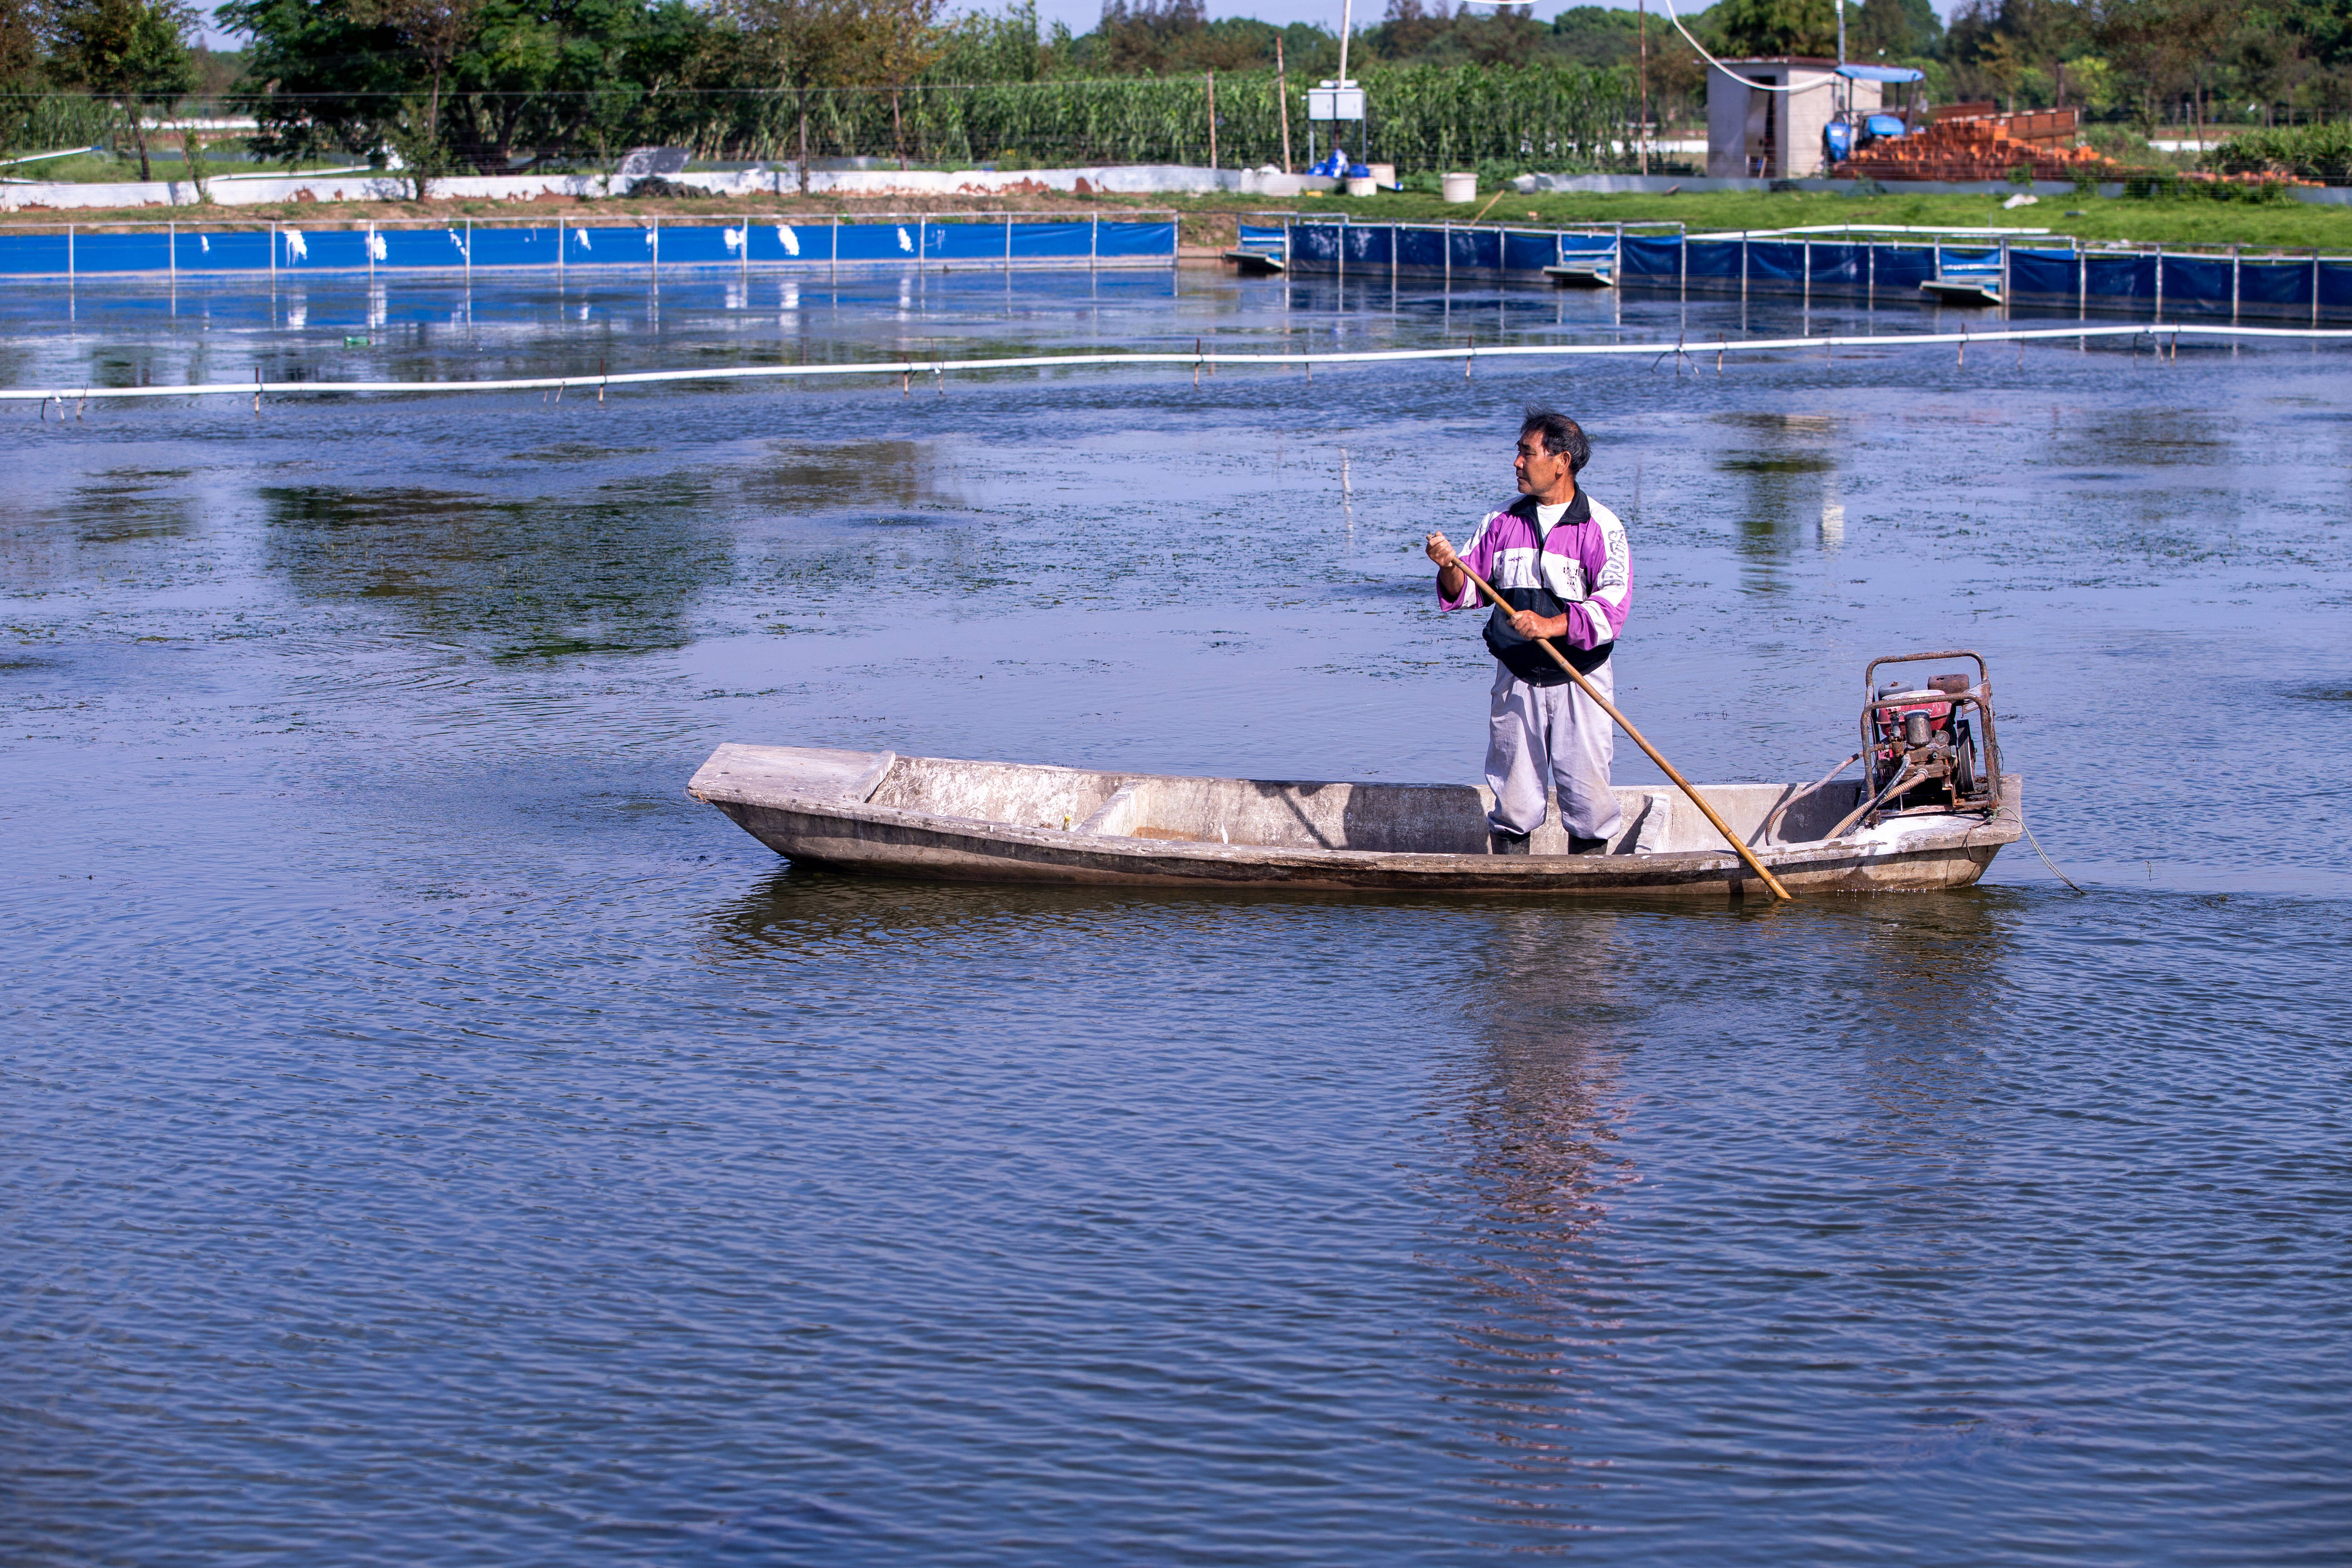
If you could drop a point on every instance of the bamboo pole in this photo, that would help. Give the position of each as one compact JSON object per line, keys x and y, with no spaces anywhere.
{"x":1746,"y":854}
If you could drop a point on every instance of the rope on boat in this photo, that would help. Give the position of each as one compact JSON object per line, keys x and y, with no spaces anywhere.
{"x":2045,"y":859}
{"x":1198,"y":359}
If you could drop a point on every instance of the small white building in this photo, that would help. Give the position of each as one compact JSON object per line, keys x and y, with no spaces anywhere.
{"x":1754,"y":134}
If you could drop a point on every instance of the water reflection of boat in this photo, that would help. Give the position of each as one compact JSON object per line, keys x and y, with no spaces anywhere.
{"x":937,"y":817}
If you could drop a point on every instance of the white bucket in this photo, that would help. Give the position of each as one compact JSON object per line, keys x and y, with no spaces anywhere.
{"x":1459,"y":187}
{"x":1383,"y":173}
{"x":1361,"y":185}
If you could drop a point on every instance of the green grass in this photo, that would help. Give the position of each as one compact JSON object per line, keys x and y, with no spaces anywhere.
{"x":2199,"y":220}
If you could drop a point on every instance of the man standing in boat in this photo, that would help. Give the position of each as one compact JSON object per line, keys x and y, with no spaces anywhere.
{"x":1558,"y":559}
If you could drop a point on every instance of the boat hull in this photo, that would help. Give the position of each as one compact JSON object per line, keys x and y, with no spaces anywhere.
{"x":828,"y":808}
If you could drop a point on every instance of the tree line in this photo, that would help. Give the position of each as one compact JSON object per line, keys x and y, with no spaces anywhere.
{"x":437,"y":86}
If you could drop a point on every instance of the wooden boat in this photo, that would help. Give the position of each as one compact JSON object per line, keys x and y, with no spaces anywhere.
{"x":937,"y":817}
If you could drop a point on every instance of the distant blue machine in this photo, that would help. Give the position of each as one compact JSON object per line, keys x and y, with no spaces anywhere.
{"x":1842,"y":139}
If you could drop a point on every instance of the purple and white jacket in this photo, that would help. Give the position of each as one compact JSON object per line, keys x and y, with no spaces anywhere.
{"x":1580,"y":566}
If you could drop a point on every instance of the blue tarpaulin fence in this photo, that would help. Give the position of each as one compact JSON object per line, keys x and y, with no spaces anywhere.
{"x":172,"y":249}
{"x":2040,"y":276}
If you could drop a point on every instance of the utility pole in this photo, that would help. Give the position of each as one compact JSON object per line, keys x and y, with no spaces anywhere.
{"x":1282,"y":98}
{"x":1213,"y":118}
{"x":1642,"y":129}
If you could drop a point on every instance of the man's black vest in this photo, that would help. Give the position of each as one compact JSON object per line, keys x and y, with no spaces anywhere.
{"x":1519,"y":656}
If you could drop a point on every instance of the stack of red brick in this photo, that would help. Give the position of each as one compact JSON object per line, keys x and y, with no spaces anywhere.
{"x":1982,"y":147}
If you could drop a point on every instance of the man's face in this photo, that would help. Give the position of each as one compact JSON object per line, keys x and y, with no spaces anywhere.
{"x":1537,"y":470}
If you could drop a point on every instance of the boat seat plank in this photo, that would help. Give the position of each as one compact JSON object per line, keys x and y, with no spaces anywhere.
{"x":804,"y":773}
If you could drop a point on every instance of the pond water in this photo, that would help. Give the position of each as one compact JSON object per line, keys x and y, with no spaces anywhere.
{"x":428,"y":1135}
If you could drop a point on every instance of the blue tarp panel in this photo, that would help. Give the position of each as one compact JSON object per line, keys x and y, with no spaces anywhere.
{"x":1660,"y":259}
{"x":1715,"y":258}
{"x":1478,"y":250}
{"x":1529,"y":252}
{"x":2334,"y":287}
{"x":422,"y":247}
{"x":1075,"y":241}
{"x":605,"y":246}
{"x":514,"y":247}
{"x":317,"y":249}
{"x":774,"y":243}
{"x":1776,"y":264}
{"x":1367,"y":244}
{"x":2274,"y":285}
{"x":1839,"y":268}
{"x":867,"y":242}
{"x":244,"y":251}
{"x":1899,"y":269}
{"x":967,"y":242}
{"x":23,"y":252}
{"x":1585,"y":245}
{"x":1423,"y":249}
{"x":2197,"y":284}
{"x":2048,"y":276}
{"x":2118,"y":278}
{"x":1138,"y":240}
{"x":121,"y":253}
{"x":700,"y":246}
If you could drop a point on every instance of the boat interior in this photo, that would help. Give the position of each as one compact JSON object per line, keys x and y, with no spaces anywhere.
{"x":1395,"y":819}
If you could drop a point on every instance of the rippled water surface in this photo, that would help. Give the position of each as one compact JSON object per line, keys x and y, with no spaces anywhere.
{"x":428,"y":1136}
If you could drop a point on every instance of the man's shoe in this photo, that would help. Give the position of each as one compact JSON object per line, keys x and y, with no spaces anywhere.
{"x":1507,"y":843}
{"x":1586,"y":845}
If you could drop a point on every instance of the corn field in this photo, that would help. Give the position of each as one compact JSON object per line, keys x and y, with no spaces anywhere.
{"x":1420,"y":117}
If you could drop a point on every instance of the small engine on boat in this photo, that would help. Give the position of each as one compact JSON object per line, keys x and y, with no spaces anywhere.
{"x":1930,"y":744}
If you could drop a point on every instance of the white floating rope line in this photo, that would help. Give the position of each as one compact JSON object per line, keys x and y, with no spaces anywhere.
{"x":939,"y":367}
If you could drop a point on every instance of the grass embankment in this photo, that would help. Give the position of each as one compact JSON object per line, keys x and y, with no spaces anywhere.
{"x":1210,"y":220}
{"x":2195,"y":220}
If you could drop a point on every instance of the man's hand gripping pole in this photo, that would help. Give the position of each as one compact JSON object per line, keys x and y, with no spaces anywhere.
{"x":1746,"y":854}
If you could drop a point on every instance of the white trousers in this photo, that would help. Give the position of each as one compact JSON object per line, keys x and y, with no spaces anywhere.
{"x":1542,"y":735}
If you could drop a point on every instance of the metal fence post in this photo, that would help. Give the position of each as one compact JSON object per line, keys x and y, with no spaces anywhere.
{"x":1682,"y":282}
{"x":836,"y":247}
{"x":2314,"y":285}
{"x":1008,"y":245}
{"x":1094,"y":243}
{"x":273,"y":262}
{"x":1743,"y":266}
{"x":922,"y":240}
{"x":470,"y":256}
{"x":1806,"y":287}
{"x":2004,"y":279}
{"x":2233,"y":285}
{"x":2159,"y":281}
{"x":1447,"y":235}
{"x":1870,"y":273}
{"x":653,"y":263}
{"x":371,"y":250}
{"x":171,"y":251}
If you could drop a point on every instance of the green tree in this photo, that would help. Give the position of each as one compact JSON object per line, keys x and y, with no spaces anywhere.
{"x":804,"y":47}
{"x":21,"y":43}
{"x":133,"y":53}
{"x":1776,"y":27}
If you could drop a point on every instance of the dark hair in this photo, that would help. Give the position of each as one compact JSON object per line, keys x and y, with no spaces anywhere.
{"x":1562,"y":436}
